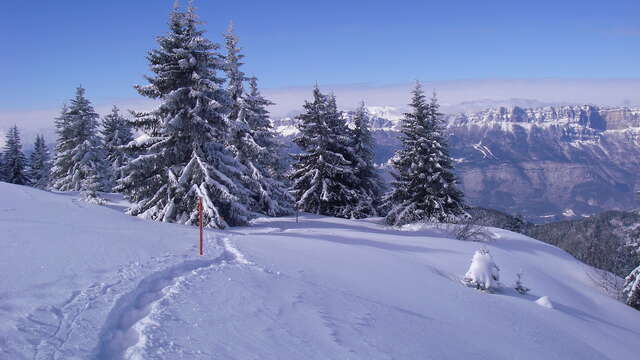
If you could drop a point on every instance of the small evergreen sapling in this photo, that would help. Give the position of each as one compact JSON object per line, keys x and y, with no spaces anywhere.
{"x":520,"y":288}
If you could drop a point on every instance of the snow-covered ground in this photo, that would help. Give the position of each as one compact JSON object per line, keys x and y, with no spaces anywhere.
{"x":82,"y":281}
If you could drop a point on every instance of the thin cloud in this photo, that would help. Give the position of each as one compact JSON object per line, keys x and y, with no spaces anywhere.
{"x":454,"y":95}
{"x":457,"y":95}
{"x":626,"y":31}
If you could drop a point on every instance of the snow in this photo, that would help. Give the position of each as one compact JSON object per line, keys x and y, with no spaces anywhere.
{"x":390,"y":113}
{"x":484,"y":150}
{"x":82,"y":281}
{"x":287,"y":130}
{"x":545,"y":302}
{"x":483,"y":271}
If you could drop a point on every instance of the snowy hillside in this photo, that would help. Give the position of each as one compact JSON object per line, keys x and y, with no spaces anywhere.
{"x":81,"y":281}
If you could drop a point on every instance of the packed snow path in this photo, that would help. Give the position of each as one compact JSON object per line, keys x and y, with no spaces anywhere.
{"x":123,"y":334}
{"x":82,"y":281}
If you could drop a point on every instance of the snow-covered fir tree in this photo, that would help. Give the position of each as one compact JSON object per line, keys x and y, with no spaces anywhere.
{"x":14,"y":162}
{"x":424,"y":188}
{"x":182,"y":149}
{"x":116,"y":133}
{"x":235,"y":76}
{"x":257,"y":117}
{"x":252,"y":139}
{"x":369,"y":182}
{"x":631,"y":289}
{"x":323,"y":177}
{"x":39,"y":164}
{"x":79,"y":163}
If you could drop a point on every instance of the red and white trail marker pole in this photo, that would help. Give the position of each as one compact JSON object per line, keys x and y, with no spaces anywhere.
{"x":200,"y":224}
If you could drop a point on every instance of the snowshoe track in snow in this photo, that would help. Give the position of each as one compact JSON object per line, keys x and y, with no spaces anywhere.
{"x":122,"y":336}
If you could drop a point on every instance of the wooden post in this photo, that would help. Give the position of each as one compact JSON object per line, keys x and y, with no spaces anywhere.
{"x":297,"y":213}
{"x":200,"y":224}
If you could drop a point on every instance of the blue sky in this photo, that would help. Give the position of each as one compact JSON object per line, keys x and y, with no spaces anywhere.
{"x":49,"y":47}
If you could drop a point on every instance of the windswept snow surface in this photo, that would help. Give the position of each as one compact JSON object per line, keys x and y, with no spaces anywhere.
{"x":82,"y":281}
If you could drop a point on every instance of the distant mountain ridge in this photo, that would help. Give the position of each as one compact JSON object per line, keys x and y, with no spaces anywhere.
{"x":547,"y":163}
{"x":590,"y":116}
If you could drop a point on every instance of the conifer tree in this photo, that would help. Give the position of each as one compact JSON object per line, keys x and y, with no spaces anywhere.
{"x":14,"y":162}
{"x":235,"y":77}
{"x":631,"y":289}
{"x":116,"y":133}
{"x":182,"y":152}
{"x":369,"y":182}
{"x":483,"y":273}
{"x":257,"y":117}
{"x":425,"y":186}
{"x":1,"y":167}
{"x":323,"y":179}
{"x":79,"y":163}
{"x":252,"y":138}
{"x":40,"y":164}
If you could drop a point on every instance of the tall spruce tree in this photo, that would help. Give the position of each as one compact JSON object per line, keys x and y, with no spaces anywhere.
{"x":39,"y":164}
{"x":257,"y":117}
{"x":182,"y":152}
{"x":235,"y":77}
{"x":14,"y":162}
{"x":1,"y":167}
{"x":116,"y":133}
{"x":79,"y":163}
{"x":252,"y":140}
{"x":369,"y":182}
{"x":425,"y":186}
{"x":323,"y":178}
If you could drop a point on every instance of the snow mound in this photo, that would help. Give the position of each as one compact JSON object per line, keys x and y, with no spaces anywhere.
{"x":545,"y":302}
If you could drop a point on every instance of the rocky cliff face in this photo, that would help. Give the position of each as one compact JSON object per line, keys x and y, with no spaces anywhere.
{"x":547,"y":164}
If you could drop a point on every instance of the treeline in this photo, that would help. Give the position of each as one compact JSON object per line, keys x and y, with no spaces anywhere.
{"x":211,"y":138}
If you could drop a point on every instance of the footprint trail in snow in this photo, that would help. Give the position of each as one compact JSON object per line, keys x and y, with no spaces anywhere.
{"x":123,"y":334}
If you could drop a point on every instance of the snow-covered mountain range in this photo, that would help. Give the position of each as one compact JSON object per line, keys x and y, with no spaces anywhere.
{"x":546,"y":163}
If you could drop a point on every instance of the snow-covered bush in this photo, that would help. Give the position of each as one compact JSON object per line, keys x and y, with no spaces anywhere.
{"x":468,"y":229}
{"x":483,"y":273}
{"x":609,"y":283}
